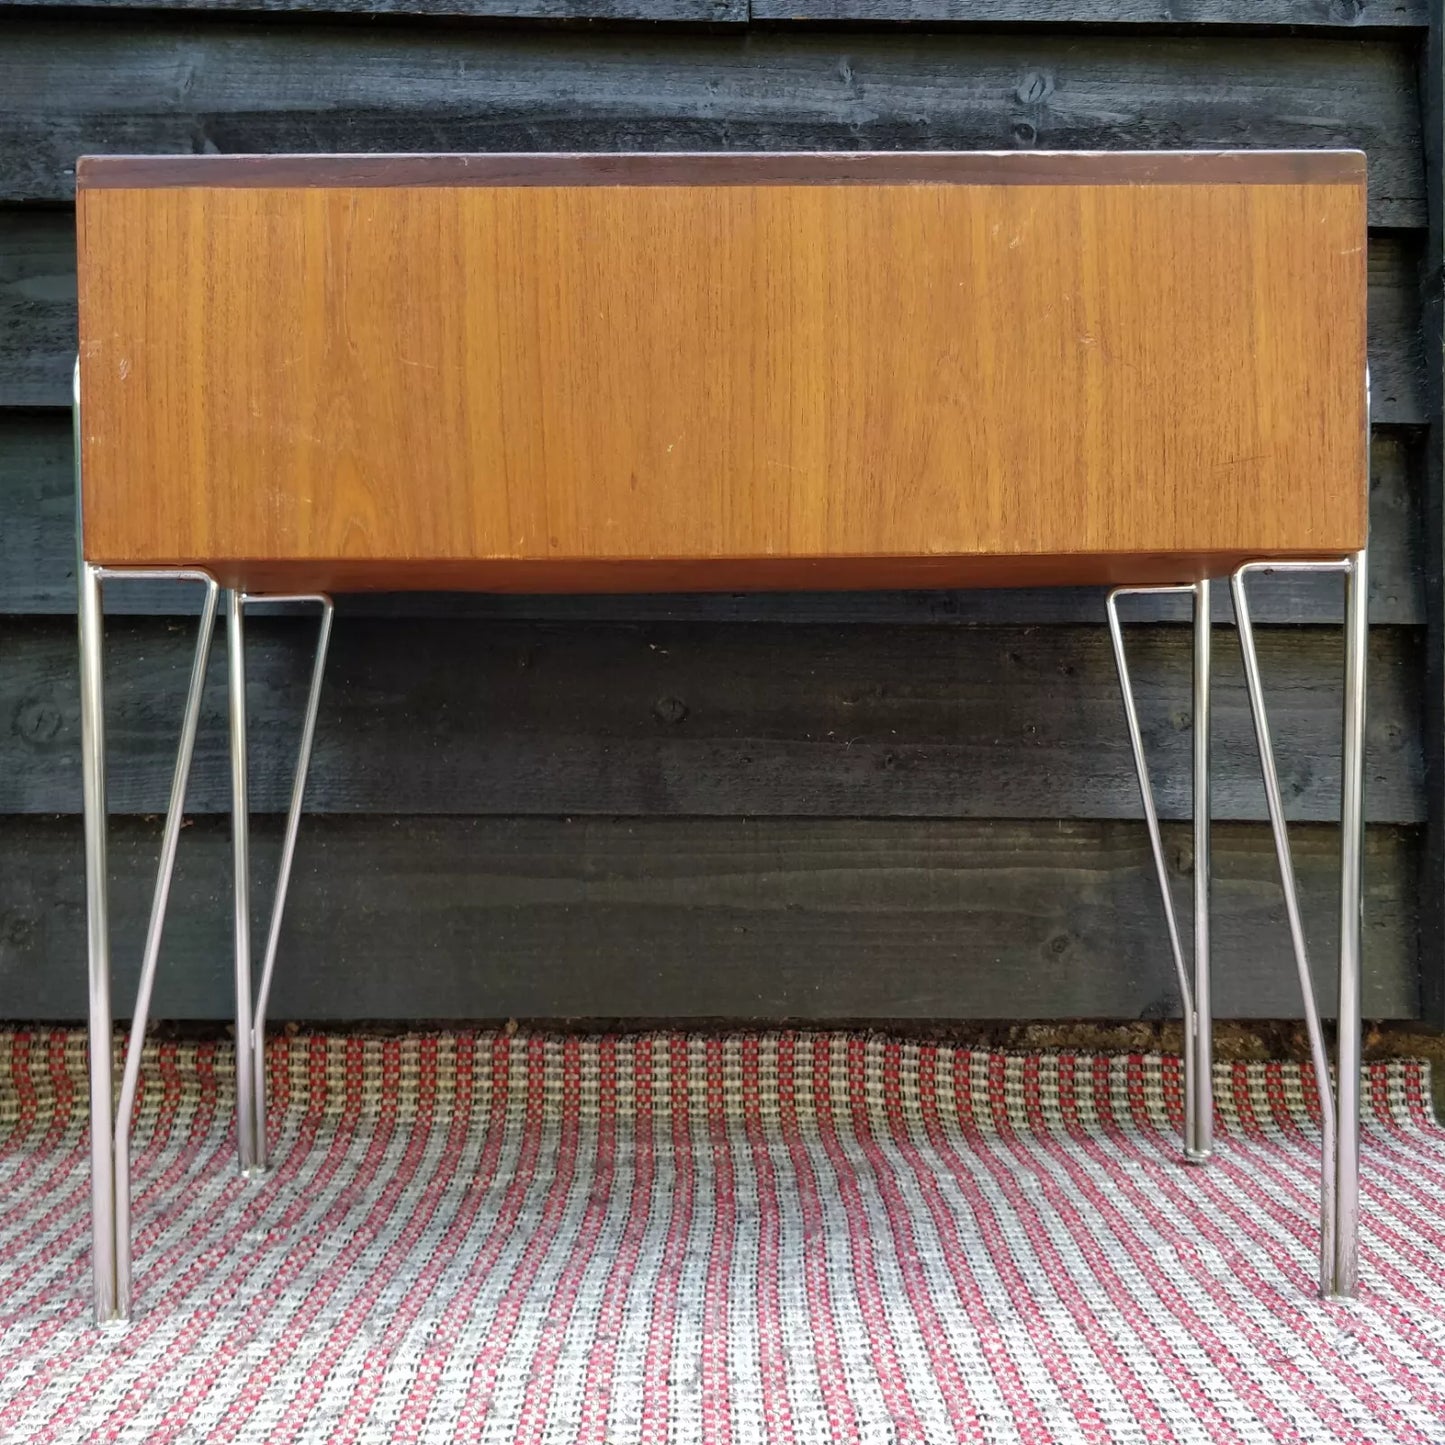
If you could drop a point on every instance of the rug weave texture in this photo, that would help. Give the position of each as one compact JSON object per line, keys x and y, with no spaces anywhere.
{"x":755,"y":1238}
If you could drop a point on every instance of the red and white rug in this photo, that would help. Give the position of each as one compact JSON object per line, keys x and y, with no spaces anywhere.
{"x":782,"y":1238}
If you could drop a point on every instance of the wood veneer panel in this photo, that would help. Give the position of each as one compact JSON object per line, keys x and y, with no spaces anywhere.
{"x":38,"y":318}
{"x":576,"y":386}
{"x":37,"y":567}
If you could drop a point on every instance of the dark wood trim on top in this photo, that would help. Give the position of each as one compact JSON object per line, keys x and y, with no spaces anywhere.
{"x":719,"y":168}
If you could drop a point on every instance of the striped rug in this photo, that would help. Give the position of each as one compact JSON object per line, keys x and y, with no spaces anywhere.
{"x":787,"y":1238}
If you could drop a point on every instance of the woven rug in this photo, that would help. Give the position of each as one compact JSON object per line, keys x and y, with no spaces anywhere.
{"x":781,"y":1238}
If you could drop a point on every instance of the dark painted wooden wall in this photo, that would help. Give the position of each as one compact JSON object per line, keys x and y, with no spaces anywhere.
{"x":848,"y":806}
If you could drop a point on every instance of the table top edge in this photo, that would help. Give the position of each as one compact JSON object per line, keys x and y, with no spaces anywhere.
{"x":715,"y":168}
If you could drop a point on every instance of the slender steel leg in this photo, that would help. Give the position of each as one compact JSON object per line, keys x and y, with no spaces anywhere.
{"x":241,"y":863}
{"x":108,"y":1304}
{"x":1352,"y":902}
{"x":1339,"y":1113}
{"x":110,"y":1123}
{"x":110,"y":1141}
{"x":1198,"y":1092}
{"x":1199,"y":1140}
{"x":170,"y":838}
{"x":283,"y":880}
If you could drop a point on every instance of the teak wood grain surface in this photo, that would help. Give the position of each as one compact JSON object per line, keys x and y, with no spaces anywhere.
{"x":671,"y":372}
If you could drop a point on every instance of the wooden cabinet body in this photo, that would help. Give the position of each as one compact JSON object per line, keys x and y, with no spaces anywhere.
{"x":722,"y":371}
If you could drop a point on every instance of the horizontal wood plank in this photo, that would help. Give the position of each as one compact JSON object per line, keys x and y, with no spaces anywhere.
{"x":1336,"y":16}
{"x":37,"y":566}
{"x":770,"y":919}
{"x":1318,"y":16}
{"x":677,"y":12}
{"x":158,"y":84}
{"x":717,"y":720}
{"x":38,"y":333}
{"x":38,"y":336}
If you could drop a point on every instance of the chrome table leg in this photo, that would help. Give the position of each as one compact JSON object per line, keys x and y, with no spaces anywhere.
{"x":1352,"y":907}
{"x":110,"y":1122}
{"x":108,"y":1303}
{"x":1339,"y":1105}
{"x":1199,"y":1141}
{"x":1194,"y":995}
{"x":251,"y":1018}
{"x":241,"y":863}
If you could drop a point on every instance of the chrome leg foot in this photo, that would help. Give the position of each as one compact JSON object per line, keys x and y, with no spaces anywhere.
{"x":251,"y":1019}
{"x":1339,"y":1105}
{"x":1195,"y":994}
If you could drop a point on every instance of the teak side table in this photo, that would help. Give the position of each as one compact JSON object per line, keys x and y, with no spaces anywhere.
{"x":305,"y":374}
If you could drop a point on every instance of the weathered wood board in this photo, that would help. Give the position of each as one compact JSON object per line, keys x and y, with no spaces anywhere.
{"x":682,"y":719}
{"x":486,"y":918}
{"x":72,"y":87}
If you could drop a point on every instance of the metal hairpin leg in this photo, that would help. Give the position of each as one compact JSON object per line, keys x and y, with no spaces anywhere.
{"x":1198,"y":1020}
{"x":1340,"y":1106}
{"x":251,"y":1020}
{"x":110,"y":1126}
